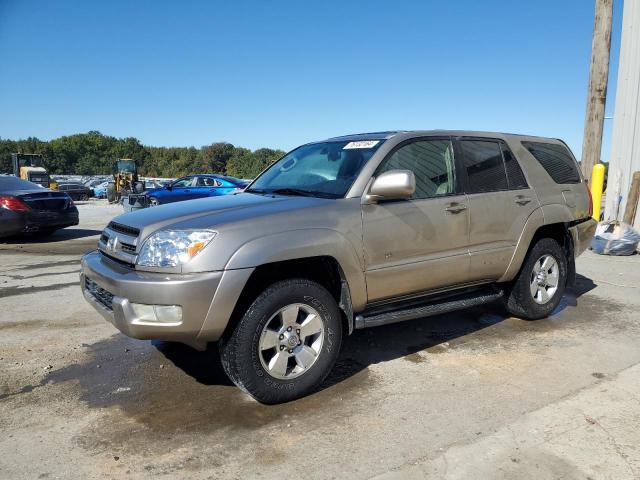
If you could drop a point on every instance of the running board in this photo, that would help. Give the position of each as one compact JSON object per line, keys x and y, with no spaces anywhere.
{"x":446,"y":305}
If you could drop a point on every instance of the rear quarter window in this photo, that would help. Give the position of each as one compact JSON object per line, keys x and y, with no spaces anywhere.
{"x":556,"y":160}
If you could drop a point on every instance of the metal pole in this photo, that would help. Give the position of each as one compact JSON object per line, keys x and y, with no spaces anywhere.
{"x":598,"y":76}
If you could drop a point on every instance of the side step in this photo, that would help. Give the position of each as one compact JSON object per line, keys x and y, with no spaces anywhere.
{"x":436,"y":307}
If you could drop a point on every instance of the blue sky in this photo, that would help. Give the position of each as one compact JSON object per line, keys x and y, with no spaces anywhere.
{"x":280,"y":73}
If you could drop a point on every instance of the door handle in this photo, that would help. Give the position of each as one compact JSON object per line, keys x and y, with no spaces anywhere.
{"x":455,"y":208}
{"x":522,"y":200}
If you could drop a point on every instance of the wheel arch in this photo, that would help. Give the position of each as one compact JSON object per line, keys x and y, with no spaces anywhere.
{"x":322,"y":269}
{"x":302,"y":245}
{"x":549,"y":221}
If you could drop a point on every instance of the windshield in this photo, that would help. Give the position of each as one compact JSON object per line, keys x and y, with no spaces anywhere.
{"x":325,"y":169}
{"x":127,"y":166}
{"x":29,"y":160}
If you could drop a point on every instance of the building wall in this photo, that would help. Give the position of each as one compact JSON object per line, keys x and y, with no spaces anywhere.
{"x":625,"y":140}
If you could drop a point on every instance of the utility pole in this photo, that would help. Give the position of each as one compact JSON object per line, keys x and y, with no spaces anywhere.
{"x":598,"y":76}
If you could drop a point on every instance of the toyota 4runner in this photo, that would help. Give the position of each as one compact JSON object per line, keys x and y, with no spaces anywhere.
{"x":343,"y":234}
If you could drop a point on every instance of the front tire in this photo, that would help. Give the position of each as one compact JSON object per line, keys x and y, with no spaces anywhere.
{"x":111,"y":193}
{"x":286,"y":342}
{"x":153,"y":202}
{"x":539,"y":287}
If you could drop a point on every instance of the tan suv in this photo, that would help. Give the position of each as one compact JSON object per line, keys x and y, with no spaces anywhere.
{"x":347,"y":233}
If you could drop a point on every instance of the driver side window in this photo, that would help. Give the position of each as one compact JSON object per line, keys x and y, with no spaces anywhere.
{"x":183,"y":182}
{"x":432,"y":163}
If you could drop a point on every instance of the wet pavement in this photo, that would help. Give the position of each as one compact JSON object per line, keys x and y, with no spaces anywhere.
{"x":78,"y":399}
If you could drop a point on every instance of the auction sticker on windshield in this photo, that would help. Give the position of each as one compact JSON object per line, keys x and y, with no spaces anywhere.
{"x":361,"y":144}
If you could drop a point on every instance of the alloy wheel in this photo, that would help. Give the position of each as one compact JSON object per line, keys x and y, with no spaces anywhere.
{"x":544,"y":279}
{"x":291,"y":341}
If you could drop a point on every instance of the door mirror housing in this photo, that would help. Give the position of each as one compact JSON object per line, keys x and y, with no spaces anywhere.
{"x":392,"y":185}
{"x":169,"y":186}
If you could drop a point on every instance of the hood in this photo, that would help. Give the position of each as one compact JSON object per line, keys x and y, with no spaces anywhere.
{"x":212,"y":212}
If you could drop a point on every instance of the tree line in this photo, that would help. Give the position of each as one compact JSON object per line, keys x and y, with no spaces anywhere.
{"x":93,"y":153}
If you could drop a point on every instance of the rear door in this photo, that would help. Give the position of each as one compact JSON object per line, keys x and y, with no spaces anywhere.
{"x":500,"y":201}
{"x":206,"y":187}
{"x":418,"y":244}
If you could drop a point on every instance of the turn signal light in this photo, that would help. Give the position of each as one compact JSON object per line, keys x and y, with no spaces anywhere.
{"x":13,"y":203}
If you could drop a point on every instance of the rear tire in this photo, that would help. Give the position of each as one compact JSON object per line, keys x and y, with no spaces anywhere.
{"x":153,"y":202}
{"x":541,"y":282}
{"x":286,"y":342}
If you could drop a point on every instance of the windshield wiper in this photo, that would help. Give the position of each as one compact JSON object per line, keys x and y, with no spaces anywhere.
{"x":260,"y":191}
{"x":303,"y":193}
{"x":292,"y":191}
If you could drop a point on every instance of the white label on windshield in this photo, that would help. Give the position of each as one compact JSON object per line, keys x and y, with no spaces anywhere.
{"x":361,"y":144}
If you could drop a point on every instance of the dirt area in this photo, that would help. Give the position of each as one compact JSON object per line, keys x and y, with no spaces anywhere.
{"x":472,"y":394}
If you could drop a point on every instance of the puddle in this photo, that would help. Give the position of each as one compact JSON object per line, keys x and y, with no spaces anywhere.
{"x":171,"y":388}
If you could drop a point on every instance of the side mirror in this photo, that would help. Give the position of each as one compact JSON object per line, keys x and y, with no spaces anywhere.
{"x":392,"y":185}
{"x":168,"y":186}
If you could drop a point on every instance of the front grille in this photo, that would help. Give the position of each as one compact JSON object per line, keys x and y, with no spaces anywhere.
{"x":100,"y":294}
{"x":125,"y":247}
{"x":118,"y":227}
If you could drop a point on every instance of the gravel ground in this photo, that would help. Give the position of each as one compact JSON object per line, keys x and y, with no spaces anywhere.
{"x":472,"y":394}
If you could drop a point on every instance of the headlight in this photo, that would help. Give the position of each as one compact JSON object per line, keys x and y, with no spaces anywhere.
{"x":170,"y":248}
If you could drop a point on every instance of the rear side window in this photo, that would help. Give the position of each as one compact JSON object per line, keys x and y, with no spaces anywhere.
{"x":484,"y":166}
{"x":515,"y":177}
{"x":556,"y":160}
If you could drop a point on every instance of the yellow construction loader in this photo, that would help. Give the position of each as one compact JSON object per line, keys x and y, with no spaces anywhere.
{"x":30,"y":166}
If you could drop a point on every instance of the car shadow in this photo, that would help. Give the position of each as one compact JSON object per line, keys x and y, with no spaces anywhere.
{"x":375,"y":345}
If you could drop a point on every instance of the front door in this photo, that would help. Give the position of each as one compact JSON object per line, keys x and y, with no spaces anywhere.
{"x":418,"y":244}
{"x":181,"y":189}
{"x":500,"y":202}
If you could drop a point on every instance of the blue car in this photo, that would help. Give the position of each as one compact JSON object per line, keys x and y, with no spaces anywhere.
{"x":194,"y":186}
{"x":100,"y":191}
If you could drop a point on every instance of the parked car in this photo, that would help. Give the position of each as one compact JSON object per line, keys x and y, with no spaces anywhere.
{"x":343,"y":234}
{"x":76,"y":191}
{"x":194,"y":186}
{"x":149,"y":184}
{"x":93,"y":182}
{"x":26,"y":207}
{"x":100,"y":190}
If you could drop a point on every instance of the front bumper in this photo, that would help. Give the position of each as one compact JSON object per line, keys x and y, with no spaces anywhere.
{"x":111,"y":288}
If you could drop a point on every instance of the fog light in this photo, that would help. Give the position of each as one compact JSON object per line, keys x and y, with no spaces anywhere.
{"x":167,"y":314}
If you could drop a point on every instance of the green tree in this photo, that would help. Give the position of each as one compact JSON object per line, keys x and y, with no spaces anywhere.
{"x":93,"y":153}
{"x":216,"y":156}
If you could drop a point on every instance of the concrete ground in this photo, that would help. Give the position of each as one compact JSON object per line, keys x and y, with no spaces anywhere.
{"x":466,"y":395}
